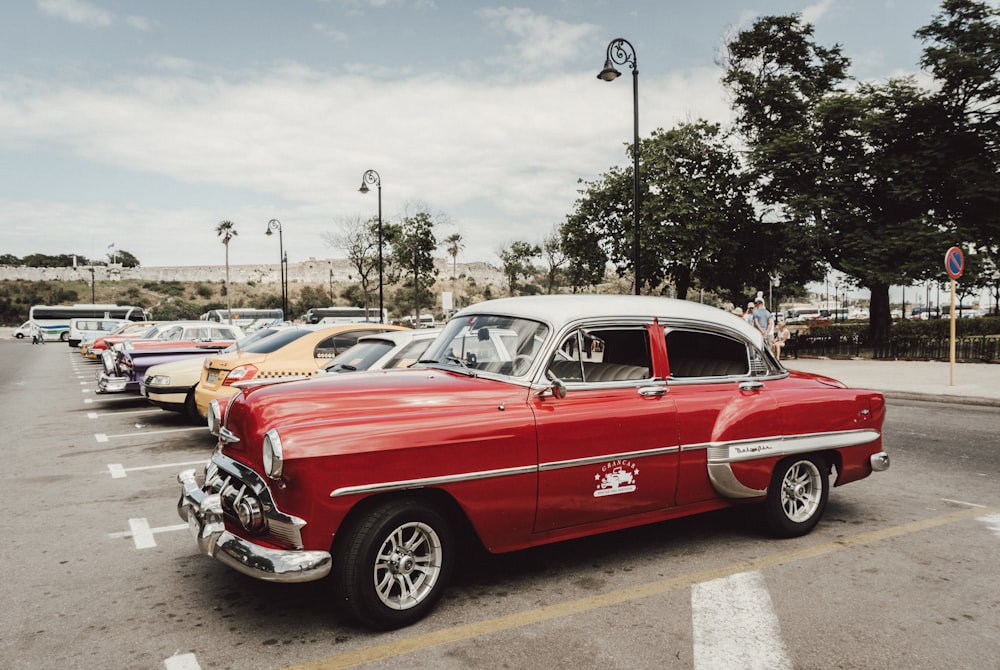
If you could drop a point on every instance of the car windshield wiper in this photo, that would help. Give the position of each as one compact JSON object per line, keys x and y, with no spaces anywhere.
{"x":448,"y":360}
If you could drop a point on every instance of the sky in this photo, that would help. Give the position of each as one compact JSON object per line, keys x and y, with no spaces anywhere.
{"x":142,"y":124}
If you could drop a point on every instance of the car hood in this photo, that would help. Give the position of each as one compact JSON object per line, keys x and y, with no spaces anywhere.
{"x":393,"y":408}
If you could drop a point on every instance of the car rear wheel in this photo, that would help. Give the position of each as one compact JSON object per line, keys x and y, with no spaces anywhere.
{"x":393,"y":563}
{"x":797,"y":497}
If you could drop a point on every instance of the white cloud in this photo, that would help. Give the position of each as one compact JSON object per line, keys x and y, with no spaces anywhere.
{"x":77,"y":11}
{"x":542,"y":42}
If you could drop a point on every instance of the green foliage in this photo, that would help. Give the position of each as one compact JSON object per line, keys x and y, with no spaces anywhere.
{"x":412,"y":261}
{"x":173,"y":289}
{"x":203,"y":290}
{"x":515,"y":262}
{"x":175,"y":309}
{"x":309,"y":297}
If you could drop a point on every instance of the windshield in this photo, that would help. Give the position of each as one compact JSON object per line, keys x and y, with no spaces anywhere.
{"x":500,"y":344}
{"x":359,"y":357}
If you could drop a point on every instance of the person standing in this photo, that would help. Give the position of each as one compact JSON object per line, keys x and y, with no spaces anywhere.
{"x":781,"y":336}
{"x":763,"y":321}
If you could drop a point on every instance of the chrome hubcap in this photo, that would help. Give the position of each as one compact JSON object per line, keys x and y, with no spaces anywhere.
{"x":801,"y":490}
{"x":408,"y":565}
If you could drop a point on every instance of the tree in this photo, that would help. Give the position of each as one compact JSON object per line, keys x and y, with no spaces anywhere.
{"x":358,"y":240}
{"x":515,"y":262}
{"x":698,"y":226}
{"x":124,"y":258}
{"x":453,"y":244}
{"x":962,"y":52}
{"x":555,"y":258}
{"x":227,"y":231}
{"x":851,"y":172}
{"x":412,"y":259}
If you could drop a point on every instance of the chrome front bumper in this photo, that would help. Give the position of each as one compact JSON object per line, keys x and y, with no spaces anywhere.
{"x":110,"y":384}
{"x":203,"y":512}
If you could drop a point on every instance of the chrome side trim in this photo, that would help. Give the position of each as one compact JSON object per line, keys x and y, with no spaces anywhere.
{"x":604,"y":458}
{"x":786,"y":445}
{"x":721,"y":455}
{"x":382,"y":487}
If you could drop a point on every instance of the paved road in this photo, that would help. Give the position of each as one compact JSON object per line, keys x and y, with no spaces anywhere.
{"x":100,"y":572}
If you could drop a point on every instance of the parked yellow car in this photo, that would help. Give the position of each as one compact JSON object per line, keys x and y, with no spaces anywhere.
{"x":294,"y":352}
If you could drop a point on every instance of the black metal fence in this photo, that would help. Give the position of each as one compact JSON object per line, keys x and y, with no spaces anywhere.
{"x":981,"y":349}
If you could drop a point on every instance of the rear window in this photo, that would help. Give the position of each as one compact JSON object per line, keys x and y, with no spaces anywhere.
{"x":276,"y":341}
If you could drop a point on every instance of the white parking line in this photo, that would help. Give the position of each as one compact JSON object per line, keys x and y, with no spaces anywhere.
{"x":993,"y":521}
{"x":118,"y":470}
{"x":152,"y":410}
{"x":103,"y":437}
{"x":181,"y":662}
{"x":735,"y":625}
{"x":142,"y":534}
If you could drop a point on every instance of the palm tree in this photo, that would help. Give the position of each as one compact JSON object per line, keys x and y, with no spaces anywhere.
{"x":227,"y":231}
{"x":453,"y":244}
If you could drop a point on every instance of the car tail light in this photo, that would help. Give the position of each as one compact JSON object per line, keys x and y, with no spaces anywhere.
{"x":240,"y":374}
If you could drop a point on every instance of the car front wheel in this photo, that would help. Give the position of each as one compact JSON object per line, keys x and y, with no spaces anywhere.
{"x":393,"y":563}
{"x":797,"y":497}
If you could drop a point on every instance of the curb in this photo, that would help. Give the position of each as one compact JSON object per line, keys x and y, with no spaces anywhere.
{"x":950,"y":399}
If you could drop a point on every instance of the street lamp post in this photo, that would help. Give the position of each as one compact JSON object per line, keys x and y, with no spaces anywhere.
{"x":621,"y":52}
{"x":273,"y":225}
{"x":93,"y":292}
{"x":372,"y":177}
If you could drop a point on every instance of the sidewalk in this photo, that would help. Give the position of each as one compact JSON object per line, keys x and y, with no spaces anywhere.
{"x":975,"y":383}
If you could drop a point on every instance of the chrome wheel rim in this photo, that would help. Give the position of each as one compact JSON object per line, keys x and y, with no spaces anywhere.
{"x":408,"y":565}
{"x":801,"y":490}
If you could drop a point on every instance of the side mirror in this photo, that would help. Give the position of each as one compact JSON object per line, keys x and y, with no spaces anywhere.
{"x":557,"y":387}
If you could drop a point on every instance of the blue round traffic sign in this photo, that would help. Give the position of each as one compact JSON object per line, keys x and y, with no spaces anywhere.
{"x":954,"y":262}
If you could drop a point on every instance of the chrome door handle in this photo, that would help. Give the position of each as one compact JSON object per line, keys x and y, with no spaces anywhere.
{"x":654,"y":391}
{"x":751,"y":386}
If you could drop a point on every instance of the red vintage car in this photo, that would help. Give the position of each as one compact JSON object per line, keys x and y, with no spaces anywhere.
{"x":528,"y":421}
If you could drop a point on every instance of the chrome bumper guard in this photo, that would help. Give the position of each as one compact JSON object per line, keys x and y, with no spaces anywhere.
{"x":110,"y":384}
{"x":203,"y":513}
{"x":879,"y":461}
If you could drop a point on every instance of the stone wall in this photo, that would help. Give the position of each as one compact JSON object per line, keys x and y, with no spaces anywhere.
{"x":312,"y":271}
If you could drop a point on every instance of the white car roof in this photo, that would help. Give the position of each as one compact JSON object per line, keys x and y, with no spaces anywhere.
{"x":560,"y":310}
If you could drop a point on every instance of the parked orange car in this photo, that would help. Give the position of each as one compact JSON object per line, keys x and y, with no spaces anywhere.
{"x":294,"y":352}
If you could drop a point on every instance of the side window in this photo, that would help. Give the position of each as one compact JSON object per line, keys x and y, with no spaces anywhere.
{"x":702,"y":354}
{"x":335,"y":344}
{"x":604,"y":354}
{"x":172,"y":334}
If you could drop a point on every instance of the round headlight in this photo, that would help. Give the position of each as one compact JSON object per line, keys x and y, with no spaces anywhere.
{"x":273,"y":456}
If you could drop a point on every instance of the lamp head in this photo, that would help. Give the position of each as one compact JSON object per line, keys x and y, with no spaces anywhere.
{"x":609,"y":73}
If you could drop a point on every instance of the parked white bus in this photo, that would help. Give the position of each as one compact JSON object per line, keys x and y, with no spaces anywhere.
{"x":247,"y":318}
{"x":54,"y":320}
{"x":337,"y":315}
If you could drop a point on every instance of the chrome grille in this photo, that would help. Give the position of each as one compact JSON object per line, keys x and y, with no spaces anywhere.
{"x":232,"y":480}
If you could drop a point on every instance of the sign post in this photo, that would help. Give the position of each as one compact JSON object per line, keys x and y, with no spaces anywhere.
{"x":954,"y":263}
